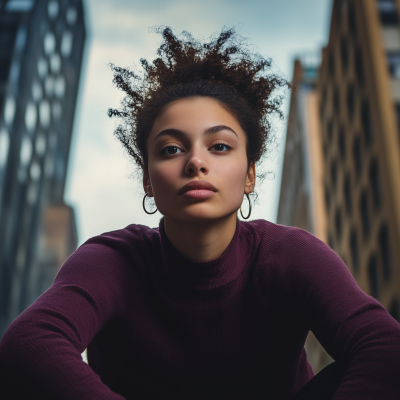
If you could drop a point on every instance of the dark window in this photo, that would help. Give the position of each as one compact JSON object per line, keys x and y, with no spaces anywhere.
{"x":344,"y":53}
{"x":351,"y":103}
{"x":394,"y":309}
{"x":355,"y":257}
{"x":359,"y":66}
{"x":393,"y":62}
{"x":357,"y":154}
{"x":347,"y":193}
{"x":373,"y":276}
{"x":366,"y":123}
{"x":385,"y":251}
{"x":321,"y":110}
{"x":375,"y":183}
{"x":334,"y":173}
{"x":336,"y":101}
{"x":330,"y":130}
{"x":327,"y":197}
{"x":342,"y":143}
{"x":338,"y":223}
{"x":325,"y":148}
{"x":388,"y":12}
{"x":352,"y":19}
{"x":398,"y":120}
{"x":365,"y":216}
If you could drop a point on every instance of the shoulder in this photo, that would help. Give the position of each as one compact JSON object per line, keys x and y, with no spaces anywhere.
{"x":110,"y":251}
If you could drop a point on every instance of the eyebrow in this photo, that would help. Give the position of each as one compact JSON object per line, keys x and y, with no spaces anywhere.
{"x":177,"y":132}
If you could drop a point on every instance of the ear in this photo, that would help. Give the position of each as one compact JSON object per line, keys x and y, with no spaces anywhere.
{"x":250,"y":179}
{"x":147,"y":184}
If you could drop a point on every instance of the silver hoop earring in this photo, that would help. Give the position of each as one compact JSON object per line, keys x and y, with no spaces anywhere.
{"x":248,"y":198}
{"x":144,"y":207}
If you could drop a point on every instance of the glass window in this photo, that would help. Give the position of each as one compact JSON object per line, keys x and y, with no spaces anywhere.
{"x":331,"y":65}
{"x":352,"y":19}
{"x":334,"y":173}
{"x":342,"y":143}
{"x":327,"y":197}
{"x":357,"y":154}
{"x":55,"y":63}
{"x":40,"y":146}
{"x":347,"y":193}
{"x":387,"y":12}
{"x":21,"y":39}
{"x":4,"y":145}
{"x":49,"y":86}
{"x":359,"y":66}
{"x":365,"y":215}
{"x":35,"y":171}
{"x":30,"y":116}
{"x":373,"y":276}
{"x":25,"y":151}
{"x":354,"y":251}
{"x":37,"y":91}
{"x":57,"y":110}
{"x":338,"y":223}
{"x":351,"y":102}
{"x":59,"y":86}
{"x":9,"y":110}
{"x":385,"y":251}
{"x":375,"y":183}
{"x":42,"y":67}
{"x":66,"y":43}
{"x":49,"y":166}
{"x":52,"y":9}
{"x":71,"y":15}
{"x":330,"y":130}
{"x":49,"y":43}
{"x":366,"y":123}
{"x":393,"y":62}
{"x":336,"y":101}
{"x":44,"y":113}
{"x":19,"y":5}
{"x":32,"y":193}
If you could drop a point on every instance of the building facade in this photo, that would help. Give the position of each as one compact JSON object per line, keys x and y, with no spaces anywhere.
{"x":41,"y":49}
{"x":359,"y":90}
{"x":302,"y":201}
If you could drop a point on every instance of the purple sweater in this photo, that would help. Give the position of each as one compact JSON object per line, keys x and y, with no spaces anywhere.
{"x":158,"y":325}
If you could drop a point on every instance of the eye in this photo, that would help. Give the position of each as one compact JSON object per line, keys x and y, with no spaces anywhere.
{"x":220,"y":147}
{"x":170,"y":150}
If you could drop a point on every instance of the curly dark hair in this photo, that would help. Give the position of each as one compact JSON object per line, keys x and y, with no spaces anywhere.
{"x":223,"y":69}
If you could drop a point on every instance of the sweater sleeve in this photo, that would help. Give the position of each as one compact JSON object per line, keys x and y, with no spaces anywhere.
{"x":41,"y":350}
{"x":353,"y":327}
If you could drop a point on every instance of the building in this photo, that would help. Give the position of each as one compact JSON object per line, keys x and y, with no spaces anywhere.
{"x":359,"y":90}
{"x":41,"y":49}
{"x":302,"y":201}
{"x":358,"y":102}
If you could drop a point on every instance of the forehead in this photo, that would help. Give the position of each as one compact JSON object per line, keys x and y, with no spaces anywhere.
{"x":195,"y":114}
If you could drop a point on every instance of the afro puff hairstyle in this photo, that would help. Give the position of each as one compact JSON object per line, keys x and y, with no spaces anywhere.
{"x":223,"y":68}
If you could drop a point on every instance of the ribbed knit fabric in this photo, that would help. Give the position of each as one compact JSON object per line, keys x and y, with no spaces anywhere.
{"x":158,"y":325}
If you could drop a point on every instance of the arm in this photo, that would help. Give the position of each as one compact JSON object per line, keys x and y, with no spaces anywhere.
{"x":353,"y":327}
{"x":41,"y":349}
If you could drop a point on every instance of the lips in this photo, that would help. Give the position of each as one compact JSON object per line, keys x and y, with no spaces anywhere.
{"x":197,"y":185}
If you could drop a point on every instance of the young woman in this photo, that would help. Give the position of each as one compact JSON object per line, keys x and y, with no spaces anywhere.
{"x":206,"y":306}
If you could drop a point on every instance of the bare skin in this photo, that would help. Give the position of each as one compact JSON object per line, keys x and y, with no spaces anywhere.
{"x":198,"y":140}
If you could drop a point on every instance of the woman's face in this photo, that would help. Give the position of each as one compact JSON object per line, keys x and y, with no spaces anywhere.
{"x":198,"y":141}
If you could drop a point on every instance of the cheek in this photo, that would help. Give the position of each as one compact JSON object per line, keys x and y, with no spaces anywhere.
{"x":163,"y":179}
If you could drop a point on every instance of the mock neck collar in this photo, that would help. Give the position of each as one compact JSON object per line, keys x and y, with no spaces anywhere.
{"x":202,"y":275}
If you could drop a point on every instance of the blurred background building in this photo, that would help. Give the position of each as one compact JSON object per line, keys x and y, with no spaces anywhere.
{"x":41,"y":48}
{"x":357,"y":88}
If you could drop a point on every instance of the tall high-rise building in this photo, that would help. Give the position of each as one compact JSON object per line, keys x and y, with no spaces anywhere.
{"x":302,"y":201}
{"x":41,"y":49}
{"x":359,"y":90}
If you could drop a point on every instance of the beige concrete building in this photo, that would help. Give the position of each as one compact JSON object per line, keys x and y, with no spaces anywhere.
{"x":357,"y":95}
{"x":302,"y":201}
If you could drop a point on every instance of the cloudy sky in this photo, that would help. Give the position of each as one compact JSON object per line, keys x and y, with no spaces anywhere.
{"x":100,"y":184}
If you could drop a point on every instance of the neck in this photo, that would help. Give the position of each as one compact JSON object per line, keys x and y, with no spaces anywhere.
{"x":201,"y":241}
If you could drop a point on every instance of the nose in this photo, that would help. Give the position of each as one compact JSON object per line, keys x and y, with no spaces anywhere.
{"x":196,"y":166}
